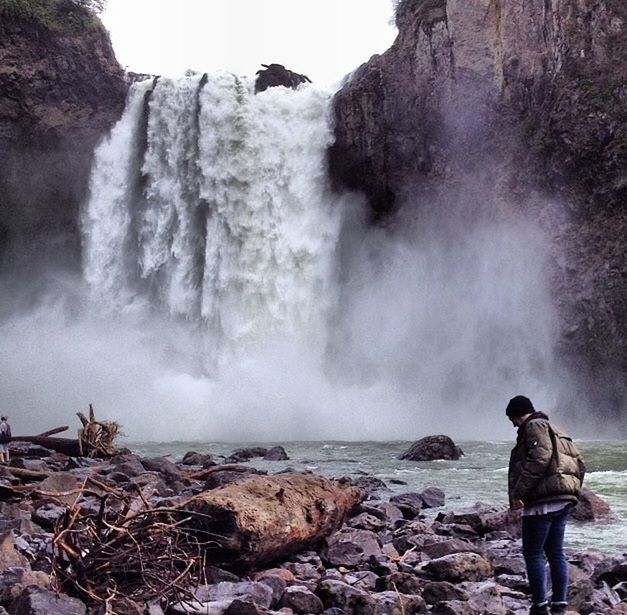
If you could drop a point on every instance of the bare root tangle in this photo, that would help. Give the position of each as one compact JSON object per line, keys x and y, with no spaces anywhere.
{"x":127,"y":551}
{"x":97,"y":438}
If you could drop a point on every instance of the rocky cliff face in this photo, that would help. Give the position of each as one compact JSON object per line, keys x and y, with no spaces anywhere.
{"x":59,"y":92}
{"x":526,"y":99}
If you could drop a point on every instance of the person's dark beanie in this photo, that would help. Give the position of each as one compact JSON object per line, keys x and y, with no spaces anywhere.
{"x":519,"y":406}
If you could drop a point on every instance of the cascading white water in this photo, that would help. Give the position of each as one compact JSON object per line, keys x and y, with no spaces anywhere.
{"x":235,"y":227}
{"x":235,"y":303}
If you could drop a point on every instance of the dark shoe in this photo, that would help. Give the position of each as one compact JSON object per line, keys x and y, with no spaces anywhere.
{"x":540,"y":610}
{"x":558,"y":608}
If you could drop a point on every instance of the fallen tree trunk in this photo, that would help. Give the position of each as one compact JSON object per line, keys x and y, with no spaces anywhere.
{"x":52,"y":432}
{"x":67,"y":446}
{"x":264,"y":518}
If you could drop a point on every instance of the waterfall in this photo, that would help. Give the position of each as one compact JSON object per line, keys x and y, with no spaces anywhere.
{"x":215,"y":209}
{"x":242,"y":297}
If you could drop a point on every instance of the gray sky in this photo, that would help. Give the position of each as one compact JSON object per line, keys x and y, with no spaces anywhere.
{"x":324,"y":39}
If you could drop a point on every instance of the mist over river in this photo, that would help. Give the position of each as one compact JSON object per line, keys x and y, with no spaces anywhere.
{"x":228,"y":293}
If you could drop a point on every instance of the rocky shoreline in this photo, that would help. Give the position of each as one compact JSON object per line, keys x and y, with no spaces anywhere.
{"x":396,"y":555}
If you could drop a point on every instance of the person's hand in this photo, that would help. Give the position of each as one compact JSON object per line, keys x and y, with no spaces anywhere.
{"x":518,"y":504}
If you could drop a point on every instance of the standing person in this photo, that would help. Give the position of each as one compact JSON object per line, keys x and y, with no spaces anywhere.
{"x":5,"y":438}
{"x":545,"y":476}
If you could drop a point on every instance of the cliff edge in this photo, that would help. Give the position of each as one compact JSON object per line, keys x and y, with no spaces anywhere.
{"x":529,"y":100}
{"x":61,"y":88}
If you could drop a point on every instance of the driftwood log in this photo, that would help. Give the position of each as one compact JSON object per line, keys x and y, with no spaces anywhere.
{"x":264,"y":518}
{"x":95,"y":439}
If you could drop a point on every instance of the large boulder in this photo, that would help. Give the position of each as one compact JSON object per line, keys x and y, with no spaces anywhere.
{"x":591,"y":507}
{"x":432,"y":447}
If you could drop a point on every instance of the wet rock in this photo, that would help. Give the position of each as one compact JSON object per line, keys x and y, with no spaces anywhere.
{"x":432,"y":497}
{"x":200,"y":608}
{"x":362,"y":579}
{"x":224,"y":477}
{"x":395,"y":603}
{"x":431,"y":448}
{"x":350,"y":547}
{"x":303,"y":571}
{"x":611,"y":571}
{"x":484,"y":519}
{"x":48,"y":514}
{"x":410,"y":504}
{"x":162,"y":465}
{"x":40,"y":601}
{"x":442,"y":591}
{"x":364,"y":521}
{"x":301,"y":600}
{"x":436,"y":549}
{"x":485,"y":598}
{"x":404,"y":582}
{"x":341,"y":595}
{"x":246,"y":454}
{"x":591,"y":507}
{"x":459,"y":567}
{"x":248,"y":591}
{"x":370,"y":484}
{"x":242,"y":607}
{"x":276,"y":453}
{"x":15,"y":579}
{"x":276,"y":583}
{"x":453,"y":607}
{"x":130,"y":465}
{"x":192,"y":458}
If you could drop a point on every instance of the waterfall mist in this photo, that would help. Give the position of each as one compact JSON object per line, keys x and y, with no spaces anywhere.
{"x":229,"y":294}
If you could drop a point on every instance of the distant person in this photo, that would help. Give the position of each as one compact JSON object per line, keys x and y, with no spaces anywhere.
{"x":5,"y":438}
{"x":545,"y":476}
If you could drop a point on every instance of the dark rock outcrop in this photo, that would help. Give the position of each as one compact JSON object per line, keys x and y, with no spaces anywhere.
{"x":432,"y":447}
{"x":274,"y":75}
{"x":59,"y":93}
{"x":524,"y":103}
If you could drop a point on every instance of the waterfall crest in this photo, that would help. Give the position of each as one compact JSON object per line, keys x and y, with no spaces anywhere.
{"x":214,"y":208}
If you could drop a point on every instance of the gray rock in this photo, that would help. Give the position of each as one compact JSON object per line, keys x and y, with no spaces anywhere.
{"x":301,"y":600}
{"x":442,"y":591}
{"x":410,"y":504}
{"x":591,"y":507}
{"x":432,"y":497}
{"x":403,"y":582}
{"x":39,"y":601}
{"x":459,"y":567}
{"x":276,"y":453}
{"x":343,"y":596}
{"x":249,"y":591}
{"x":395,"y":603}
{"x":162,"y":465}
{"x":350,"y":547}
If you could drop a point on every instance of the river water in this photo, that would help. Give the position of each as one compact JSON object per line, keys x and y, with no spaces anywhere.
{"x":479,"y":476}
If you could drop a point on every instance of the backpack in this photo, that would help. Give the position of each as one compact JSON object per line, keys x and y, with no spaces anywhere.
{"x":5,"y":433}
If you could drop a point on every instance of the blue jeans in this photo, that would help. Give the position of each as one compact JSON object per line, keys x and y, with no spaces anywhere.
{"x":542,"y":541}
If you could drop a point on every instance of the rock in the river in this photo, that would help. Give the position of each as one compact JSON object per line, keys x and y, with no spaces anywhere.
{"x":276,"y":453}
{"x":591,"y":507}
{"x":431,"y":448}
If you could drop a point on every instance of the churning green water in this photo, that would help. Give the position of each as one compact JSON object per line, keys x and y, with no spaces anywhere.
{"x":479,"y":476}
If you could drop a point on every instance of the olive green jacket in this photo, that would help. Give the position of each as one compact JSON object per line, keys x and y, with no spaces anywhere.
{"x":545,"y":464}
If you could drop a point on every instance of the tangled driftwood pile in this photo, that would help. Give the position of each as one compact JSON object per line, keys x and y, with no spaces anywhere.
{"x":124,"y":548}
{"x":96,"y":439}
